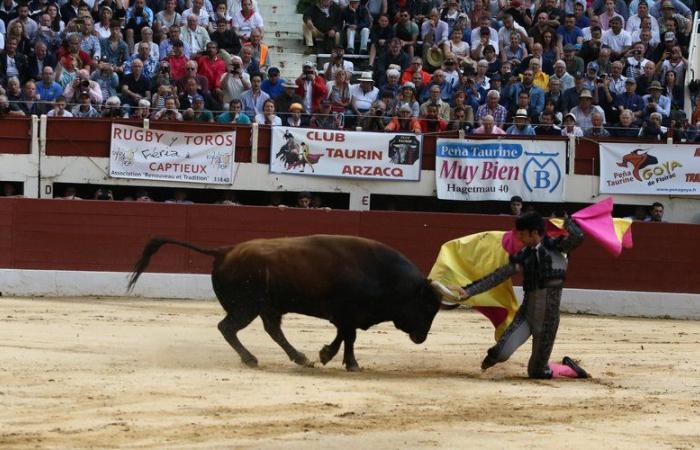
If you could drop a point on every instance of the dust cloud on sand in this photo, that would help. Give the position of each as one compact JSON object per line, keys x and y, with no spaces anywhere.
{"x":107,"y":373}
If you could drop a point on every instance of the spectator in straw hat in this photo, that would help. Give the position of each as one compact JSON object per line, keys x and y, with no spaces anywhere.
{"x":655,"y":102}
{"x":363,"y":94}
{"x":288,"y":97}
{"x":585,"y":109}
{"x":521,"y":125}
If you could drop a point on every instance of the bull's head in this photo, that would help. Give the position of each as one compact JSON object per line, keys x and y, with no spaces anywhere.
{"x":415,"y":316}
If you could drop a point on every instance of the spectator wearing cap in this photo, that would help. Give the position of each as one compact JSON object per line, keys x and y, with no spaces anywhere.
{"x":488,"y":126}
{"x":655,"y":101}
{"x":591,"y":74}
{"x":357,"y":21}
{"x":585,"y":109}
{"x":566,"y":81}
{"x":609,"y":13}
{"x":287,"y":97}
{"x":521,"y":125}
{"x":570,"y":128}
{"x":311,"y":88}
{"x":165,"y":47}
{"x":322,"y":19}
{"x":84,"y":108}
{"x":618,"y":39}
{"x":407,"y":97}
{"x":324,"y":118}
{"x":254,"y":99}
{"x":629,"y":100}
{"x":492,"y":108}
{"x":234,"y":114}
{"x":274,"y":84}
{"x":296,"y":118}
{"x":176,"y":60}
{"x":337,"y":62}
{"x":246,"y":20}
{"x":225,"y":37}
{"x":668,"y":12}
{"x":570,"y":96}
{"x":574,"y":63}
{"x":198,"y":112}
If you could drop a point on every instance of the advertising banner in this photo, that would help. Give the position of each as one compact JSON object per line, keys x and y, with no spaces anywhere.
{"x":346,"y":154}
{"x":497,"y":170}
{"x":135,"y":152}
{"x":652,"y":169}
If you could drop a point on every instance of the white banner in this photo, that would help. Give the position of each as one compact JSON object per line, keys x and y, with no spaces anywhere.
{"x":652,"y":169}
{"x":497,"y":170}
{"x":171,"y":156}
{"x":352,"y":154}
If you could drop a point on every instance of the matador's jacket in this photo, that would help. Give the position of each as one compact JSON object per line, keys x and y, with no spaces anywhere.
{"x":544,"y":270}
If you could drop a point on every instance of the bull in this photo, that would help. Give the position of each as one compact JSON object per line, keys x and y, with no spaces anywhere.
{"x":350,"y":281}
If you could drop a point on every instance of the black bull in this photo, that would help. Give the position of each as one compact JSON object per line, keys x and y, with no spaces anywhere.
{"x":350,"y":281}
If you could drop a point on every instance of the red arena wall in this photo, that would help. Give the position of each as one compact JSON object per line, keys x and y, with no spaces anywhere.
{"x":109,"y":236}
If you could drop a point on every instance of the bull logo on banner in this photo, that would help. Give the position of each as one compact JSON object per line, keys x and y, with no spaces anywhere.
{"x":541,"y":172}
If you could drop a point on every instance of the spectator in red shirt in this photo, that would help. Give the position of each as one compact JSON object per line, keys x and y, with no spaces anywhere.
{"x":72,"y":49}
{"x":311,"y":87}
{"x":177,"y":60}
{"x":416,"y":66}
{"x":431,"y":122}
{"x":211,"y":66}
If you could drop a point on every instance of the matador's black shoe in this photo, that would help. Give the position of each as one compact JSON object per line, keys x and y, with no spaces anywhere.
{"x":580,"y":373}
{"x":487,"y":362}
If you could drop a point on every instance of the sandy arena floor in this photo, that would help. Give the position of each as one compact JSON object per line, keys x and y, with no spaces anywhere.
{"x":142,"y":374}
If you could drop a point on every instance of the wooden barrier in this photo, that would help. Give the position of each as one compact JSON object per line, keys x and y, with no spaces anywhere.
{"x":16,"y":135}
{"x":109,"y":236}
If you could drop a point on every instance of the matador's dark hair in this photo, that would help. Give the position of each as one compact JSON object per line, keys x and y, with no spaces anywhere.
{"x":530,"y":221}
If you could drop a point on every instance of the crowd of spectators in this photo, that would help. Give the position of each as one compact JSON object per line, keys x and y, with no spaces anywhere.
{"x":516,"y":67}
{"x":513,"y":67}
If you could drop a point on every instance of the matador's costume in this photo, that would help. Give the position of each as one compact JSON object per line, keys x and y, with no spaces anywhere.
{"x":544,"y":270}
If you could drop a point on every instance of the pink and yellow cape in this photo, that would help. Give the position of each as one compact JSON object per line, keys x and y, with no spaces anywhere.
{"x":466,"y":259}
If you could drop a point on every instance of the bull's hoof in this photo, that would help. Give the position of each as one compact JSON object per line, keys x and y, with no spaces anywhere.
{"x":353,"y":367}
{"x":326,"y":354}
{"x":250,"y":361}
{"x":302,"y":360}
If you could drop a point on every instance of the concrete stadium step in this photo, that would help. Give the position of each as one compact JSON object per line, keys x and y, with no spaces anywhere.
{"x":288,"y":26}
{"x":290,"y":64}
{"x":285,"y":45}
{"x":268,"y":12}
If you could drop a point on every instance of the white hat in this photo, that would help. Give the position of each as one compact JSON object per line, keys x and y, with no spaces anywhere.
{"x":309,"y":64}
{"x":113,"y":101}
{"x":366,"y":76}
{"x":521,"y":113}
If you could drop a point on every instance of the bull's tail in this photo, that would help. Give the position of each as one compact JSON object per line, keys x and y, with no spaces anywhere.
{"x":153,"y":246}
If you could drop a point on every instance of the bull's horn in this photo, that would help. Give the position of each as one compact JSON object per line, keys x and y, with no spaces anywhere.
{"x":444,"y":291}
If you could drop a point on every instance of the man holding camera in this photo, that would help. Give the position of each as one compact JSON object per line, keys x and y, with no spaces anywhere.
{"x":311,"y":88}
{"x":83,"y":84}
{"x":337,"y":62}
{"x":235,"y":81}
